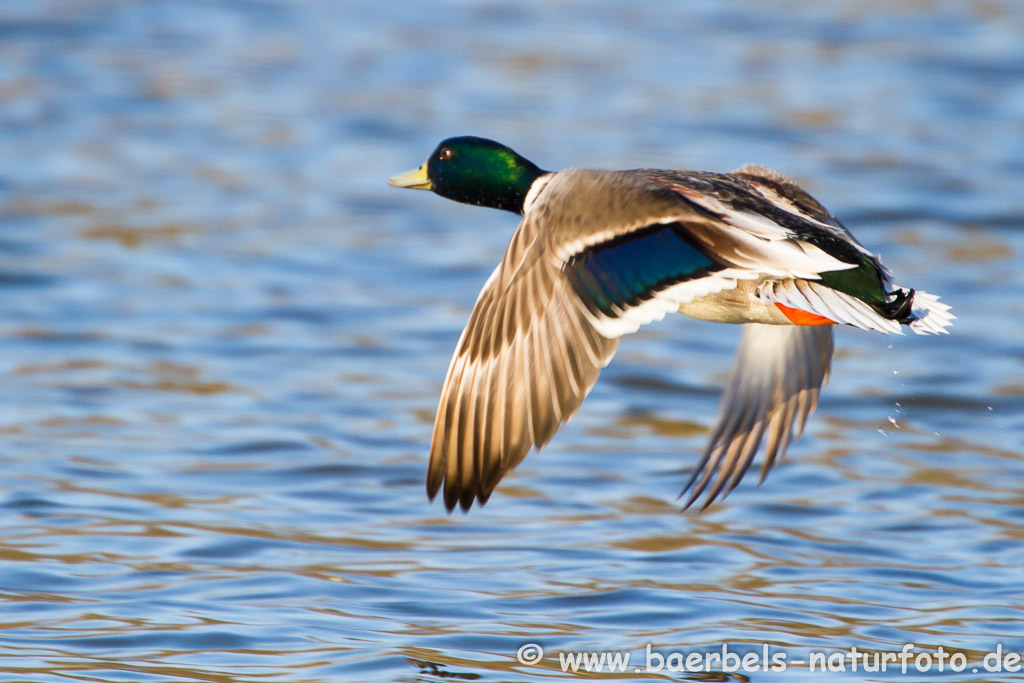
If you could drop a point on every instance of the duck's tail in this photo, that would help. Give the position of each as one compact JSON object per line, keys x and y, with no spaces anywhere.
{"x":922,"y":312}
{"x":928,"y":314}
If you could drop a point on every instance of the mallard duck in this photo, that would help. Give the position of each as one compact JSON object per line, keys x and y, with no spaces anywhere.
{"x":597,"y":254}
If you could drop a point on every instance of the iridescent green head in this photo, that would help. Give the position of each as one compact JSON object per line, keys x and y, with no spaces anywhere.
{"x":474,"y":171}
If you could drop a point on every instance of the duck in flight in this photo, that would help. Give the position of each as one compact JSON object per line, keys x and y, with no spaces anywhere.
{"x":597,"y":254}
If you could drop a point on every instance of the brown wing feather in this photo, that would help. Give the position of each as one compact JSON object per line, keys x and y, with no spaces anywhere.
{"x":526,"y":359}
{"x":773,"y":388}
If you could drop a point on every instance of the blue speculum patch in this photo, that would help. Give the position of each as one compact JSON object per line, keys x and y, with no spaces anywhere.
{"x":632,"y":268}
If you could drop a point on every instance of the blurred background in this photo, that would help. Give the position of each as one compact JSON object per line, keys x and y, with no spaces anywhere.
{"x":224,"y":336}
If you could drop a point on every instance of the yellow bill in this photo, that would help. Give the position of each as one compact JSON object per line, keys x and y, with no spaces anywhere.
{"x":415,"y":179}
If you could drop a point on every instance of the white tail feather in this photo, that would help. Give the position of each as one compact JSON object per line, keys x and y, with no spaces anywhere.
{"x":933,"y":316}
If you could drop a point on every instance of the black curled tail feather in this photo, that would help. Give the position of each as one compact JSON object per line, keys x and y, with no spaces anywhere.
{"x":899,"y":307}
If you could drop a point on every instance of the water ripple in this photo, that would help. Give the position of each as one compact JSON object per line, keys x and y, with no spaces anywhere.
{"x":224,"y":338}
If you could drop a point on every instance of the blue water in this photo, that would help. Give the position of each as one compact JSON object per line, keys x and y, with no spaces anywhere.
{"x":224,"y":336}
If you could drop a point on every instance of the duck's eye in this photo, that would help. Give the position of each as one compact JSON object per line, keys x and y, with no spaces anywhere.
{"x":445,"y":154}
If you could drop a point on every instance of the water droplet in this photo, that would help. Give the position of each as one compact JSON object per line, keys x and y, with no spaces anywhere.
{"x":892,"y":421}
{"x":895,"y":372}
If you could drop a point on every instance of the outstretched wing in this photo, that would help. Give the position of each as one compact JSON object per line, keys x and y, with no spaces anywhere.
{"x":548,"y":319}
{"x":778,"y":372}
{"x":523,"y":365}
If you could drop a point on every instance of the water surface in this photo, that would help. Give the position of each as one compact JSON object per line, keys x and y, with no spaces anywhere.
{"x":224,"y":337}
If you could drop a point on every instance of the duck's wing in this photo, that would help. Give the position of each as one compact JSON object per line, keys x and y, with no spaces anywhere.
{"x":783,"y":192}
{"x":779,"y":370}
{"x":776,"y":377}
{"x":526,"y":359}
{"x":594,"y":258}
{"x":760,"y":220}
